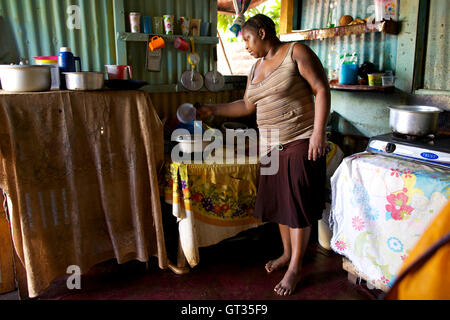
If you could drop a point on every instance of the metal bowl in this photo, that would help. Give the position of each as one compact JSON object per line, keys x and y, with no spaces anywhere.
{"x":414,"y":120}
{"x":188,"y":144}
{"x":84,"y":81}
{"x":25,"y":78}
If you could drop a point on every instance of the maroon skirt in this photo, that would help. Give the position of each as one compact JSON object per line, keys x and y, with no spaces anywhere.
{"x":295,"y":196}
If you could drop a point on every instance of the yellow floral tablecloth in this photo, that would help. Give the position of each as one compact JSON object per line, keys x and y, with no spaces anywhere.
{"x":212,"y":202}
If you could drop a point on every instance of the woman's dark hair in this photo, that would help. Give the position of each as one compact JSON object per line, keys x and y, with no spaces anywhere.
{"x":261,"y":21}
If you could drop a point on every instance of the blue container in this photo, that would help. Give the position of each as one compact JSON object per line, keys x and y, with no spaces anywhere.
{"x":348,"y":74}
{"x":66,"y":63}
{"x":147,"y":24}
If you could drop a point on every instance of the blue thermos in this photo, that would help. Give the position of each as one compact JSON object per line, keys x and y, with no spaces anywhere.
{"x":66,"y":63}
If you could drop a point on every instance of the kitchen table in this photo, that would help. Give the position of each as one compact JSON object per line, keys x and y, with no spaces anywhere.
{"x":213,"y":202}
{"x":80,"y":173}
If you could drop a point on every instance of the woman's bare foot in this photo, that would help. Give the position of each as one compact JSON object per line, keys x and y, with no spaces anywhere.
{"x":287,"y":286}
{"x":274,"y":265}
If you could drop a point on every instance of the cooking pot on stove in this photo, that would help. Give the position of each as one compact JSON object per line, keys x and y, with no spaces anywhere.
{"x":414,"y":120}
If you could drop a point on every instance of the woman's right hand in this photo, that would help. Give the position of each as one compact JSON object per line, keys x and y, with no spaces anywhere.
{"x":204,"y":112}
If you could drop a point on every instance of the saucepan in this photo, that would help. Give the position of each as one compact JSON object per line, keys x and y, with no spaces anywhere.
{"x":84,"y":81}
{"x":414,"y":120}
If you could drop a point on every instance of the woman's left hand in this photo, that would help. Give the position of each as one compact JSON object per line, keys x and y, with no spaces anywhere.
{"x":317,"y":146}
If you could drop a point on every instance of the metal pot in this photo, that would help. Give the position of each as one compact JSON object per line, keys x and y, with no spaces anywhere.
{"x":414,"y":120}
{"x":188,"y":144}
{"x":83,"y":81}
{"x":25,"y":78}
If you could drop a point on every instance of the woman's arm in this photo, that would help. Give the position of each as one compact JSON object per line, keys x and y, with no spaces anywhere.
{"x":312,"y":71}
{"x":236,"y":109}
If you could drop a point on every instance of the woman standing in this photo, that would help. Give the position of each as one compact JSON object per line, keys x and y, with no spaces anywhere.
{"x":288,"y":89}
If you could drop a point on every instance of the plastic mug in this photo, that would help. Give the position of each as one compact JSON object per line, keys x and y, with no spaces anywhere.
{"x":157,"y":25}
{"x":181,"y":44}
{"x":116,"y":72}
{"x":156,"y":43}
{"x":204,"y":29}
{"x":348,"y":74}
{"x":135,"y":22}
{"x":169,"y":24}
{"x":185,"y":25}
{"x":195,"y":27}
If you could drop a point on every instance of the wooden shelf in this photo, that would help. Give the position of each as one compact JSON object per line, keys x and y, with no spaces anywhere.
{"x":143,"y":37}
{"x":389,"y":27}
{"x":334,"y":84}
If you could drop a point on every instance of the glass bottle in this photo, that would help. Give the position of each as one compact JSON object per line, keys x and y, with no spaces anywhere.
{"x":332,"y":14}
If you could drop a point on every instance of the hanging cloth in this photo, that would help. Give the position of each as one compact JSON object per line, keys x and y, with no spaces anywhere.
{"x":241,"y":7}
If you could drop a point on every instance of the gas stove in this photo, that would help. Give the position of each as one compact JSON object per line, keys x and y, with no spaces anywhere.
{"x":433,"y":150}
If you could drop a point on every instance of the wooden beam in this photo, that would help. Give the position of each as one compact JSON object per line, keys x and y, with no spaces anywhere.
{"x":227,"y":7}
{"x":407,"y":44}
{"x":119,"y":27}
{"x":286,"y":16}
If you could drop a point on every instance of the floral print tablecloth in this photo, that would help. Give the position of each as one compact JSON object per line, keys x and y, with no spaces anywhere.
{"x":380,"y":208}
{"x":212,"y":202}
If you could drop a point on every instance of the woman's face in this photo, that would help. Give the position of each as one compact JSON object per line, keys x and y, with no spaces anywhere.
{"x":253,"y":43}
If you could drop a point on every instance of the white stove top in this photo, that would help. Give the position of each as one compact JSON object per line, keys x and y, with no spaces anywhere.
{"x":434,"y":151}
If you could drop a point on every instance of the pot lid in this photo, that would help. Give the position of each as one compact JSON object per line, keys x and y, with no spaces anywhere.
{"x":25,"y":66}
{"x":417,"y":109}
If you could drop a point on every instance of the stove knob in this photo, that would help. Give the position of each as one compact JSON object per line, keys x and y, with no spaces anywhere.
{"x":390,"y":148}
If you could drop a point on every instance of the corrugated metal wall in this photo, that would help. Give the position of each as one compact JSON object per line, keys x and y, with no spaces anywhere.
{"x":174,"y":62}
{"x":40,"y":28}
{"x":437,"y":61}
{"x":378,"y":48}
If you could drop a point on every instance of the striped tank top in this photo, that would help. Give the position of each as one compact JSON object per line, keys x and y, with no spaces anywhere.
{"x":284,"y":101}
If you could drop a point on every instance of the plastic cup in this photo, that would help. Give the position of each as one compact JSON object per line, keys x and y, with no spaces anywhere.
{"x":204,"y":29}
{"x":157,"y":25}
{"x":169,"y":24}
{"x":147,"y":24}
{"x":195,"y":27}
{"x":135,"y":22}
{"x":387,"y":81}
{"x":186,"y":113}
{"x":185,"y":25}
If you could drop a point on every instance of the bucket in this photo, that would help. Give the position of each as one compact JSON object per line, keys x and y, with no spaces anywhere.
{"x":375,"y":79}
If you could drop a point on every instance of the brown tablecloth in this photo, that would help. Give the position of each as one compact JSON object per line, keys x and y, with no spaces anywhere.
{"x":80,"y":171}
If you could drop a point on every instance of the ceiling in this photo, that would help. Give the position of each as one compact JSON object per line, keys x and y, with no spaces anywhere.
{"x":227,"y":7}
